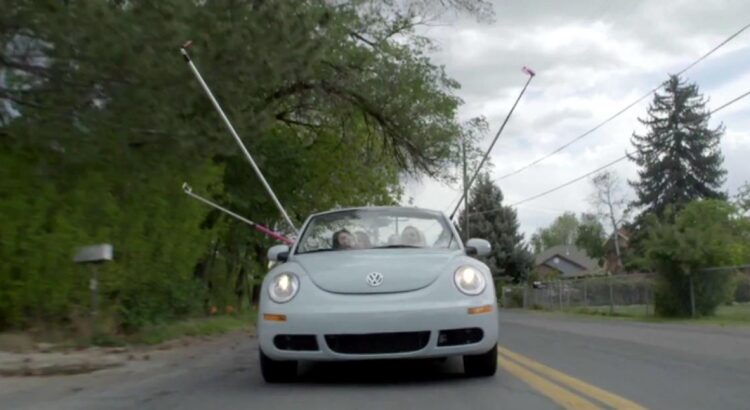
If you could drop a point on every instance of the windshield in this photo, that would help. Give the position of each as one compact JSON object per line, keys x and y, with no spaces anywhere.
{"x":377,"y":228}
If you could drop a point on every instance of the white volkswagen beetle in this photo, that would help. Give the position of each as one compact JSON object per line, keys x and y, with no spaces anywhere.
{"x":377,"y":283}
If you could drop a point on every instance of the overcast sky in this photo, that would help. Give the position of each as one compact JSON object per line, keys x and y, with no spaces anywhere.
{"x":592,"y":58}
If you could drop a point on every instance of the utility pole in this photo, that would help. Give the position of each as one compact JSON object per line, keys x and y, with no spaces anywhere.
{"x":465,"y":199}
{"x":466,"y":191}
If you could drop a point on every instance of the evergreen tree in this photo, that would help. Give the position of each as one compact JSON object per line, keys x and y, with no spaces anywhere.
{"x":678,"y":156}
{"x":510,"y":255}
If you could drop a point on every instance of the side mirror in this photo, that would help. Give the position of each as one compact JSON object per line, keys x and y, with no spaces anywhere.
{"x":477,"y":247}
{"x":278,"y":253}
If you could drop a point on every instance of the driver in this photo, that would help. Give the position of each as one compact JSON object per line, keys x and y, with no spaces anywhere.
{"x":343,"y":239}
{"x":411,"y":236}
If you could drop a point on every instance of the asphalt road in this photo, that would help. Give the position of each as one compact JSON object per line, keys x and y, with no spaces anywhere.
{"x":546,"y":362}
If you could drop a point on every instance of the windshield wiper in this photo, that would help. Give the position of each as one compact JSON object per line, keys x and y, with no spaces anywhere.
{"x":396,"y":246}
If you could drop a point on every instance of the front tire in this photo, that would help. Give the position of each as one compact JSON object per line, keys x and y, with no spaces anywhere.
{"x":276,"y":371}
{"x":481,"y":365}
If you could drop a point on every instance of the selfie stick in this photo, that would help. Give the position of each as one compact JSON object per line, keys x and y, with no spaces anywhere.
{"x":232,"y":131}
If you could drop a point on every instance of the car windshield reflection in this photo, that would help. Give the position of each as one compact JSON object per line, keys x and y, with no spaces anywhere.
{"x":386,"y":228}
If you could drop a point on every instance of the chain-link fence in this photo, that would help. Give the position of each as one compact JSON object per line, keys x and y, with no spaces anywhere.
{"x":627,"y":294}
{"x":606,"y":293}
{"x":742,"y":291}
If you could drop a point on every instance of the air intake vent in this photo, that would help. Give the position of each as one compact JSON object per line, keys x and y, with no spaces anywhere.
{"x":378,"y":343}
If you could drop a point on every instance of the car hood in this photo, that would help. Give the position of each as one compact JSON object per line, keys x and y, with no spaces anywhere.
{"x":402,"y":270}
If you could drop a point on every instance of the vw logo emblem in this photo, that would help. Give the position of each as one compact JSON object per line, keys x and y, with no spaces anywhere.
{"x":374,"y":279}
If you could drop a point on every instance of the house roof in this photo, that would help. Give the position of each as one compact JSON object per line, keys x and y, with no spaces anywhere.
{"x":571,"y":253}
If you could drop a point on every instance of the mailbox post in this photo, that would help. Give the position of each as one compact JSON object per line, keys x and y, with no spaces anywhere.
{"x":93,"y":256}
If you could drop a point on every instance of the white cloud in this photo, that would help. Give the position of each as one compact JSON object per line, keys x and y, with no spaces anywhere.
{"x":592,"y":59}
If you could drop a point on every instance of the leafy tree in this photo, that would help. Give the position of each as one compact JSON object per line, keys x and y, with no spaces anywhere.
{"x":586,"y":233}
{"x":610,"y":204}
{"x":742,"y":198}
{"x":705,"y":233}
{"x":498,"y":224}
{"x":563,"y":230}
{"x":678,"y":157}
{"x":591,"y":237}
{"x":101,"y":122}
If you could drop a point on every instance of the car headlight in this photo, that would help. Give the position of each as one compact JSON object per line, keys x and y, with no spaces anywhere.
{"x":283,"y":287}
{"x":469,"y":280}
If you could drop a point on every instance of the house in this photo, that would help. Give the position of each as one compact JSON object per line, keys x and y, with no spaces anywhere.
{"x":567,"y":261}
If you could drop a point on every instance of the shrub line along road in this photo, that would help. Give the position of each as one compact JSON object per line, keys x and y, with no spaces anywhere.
{"x":546,"y":362}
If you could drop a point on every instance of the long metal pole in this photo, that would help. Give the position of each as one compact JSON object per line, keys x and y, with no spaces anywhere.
{"x":258,"y":227}
{"x":494,"y":140}
{"x":237,"y":138}
{"x":466,"y":192}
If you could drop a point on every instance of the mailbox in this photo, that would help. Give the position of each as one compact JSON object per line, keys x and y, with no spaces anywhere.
{"x":94,"y":254}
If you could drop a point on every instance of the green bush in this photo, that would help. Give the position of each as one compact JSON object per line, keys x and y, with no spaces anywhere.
{"x":672,"y":296}
{"x":704,"y":234}
{"x":155,"y":231}
{"x":515,"y":298}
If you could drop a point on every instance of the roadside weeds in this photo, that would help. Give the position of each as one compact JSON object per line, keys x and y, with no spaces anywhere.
{"x":19,"y":356}
{"x":737,"y":315}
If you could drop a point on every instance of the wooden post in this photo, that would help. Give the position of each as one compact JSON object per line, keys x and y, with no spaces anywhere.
{"x":466,"y":192}
{"x":94,"y":288}
{"x":611,"y":296}
{"x":585,"y":293}
{"x":692,"y":296}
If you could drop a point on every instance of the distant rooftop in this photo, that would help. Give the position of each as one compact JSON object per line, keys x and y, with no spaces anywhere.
{"x":569,"y":252}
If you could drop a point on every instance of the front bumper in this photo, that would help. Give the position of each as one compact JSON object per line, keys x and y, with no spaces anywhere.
{"x":375,"y":314}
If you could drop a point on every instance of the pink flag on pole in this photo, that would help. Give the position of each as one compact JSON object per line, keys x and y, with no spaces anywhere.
{"x":273,"y":234}
{"x":528,"y":71}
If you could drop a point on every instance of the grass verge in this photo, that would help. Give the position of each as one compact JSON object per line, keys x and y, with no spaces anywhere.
{"x":64,"y":339}
{"x":206,"y":326}
{"x":733,"y":315}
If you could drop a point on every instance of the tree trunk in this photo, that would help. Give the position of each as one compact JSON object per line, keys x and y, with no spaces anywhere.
{"x":615,"y":230}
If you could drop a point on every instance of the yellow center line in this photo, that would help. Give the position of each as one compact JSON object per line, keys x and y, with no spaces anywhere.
{"x":559,"y":395}
{"x":596,"y":393}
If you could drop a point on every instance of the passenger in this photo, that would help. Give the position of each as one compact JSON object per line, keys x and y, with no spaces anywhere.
{"x":412,"y":237}
{"x":394,"y":240}
{"x":363,"y":241}
{"x":343,"y":239}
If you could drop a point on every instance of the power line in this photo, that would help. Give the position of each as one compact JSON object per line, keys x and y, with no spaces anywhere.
{"x":571,"y":182}
{"x":721,"y":107}
{"x":626,"y":108}
{"x":588,"y":174}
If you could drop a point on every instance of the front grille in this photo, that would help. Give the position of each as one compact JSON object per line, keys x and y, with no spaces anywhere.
{"x":295,"y":342}
{"x":378,"y":343}
{"x":455,"y":337}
